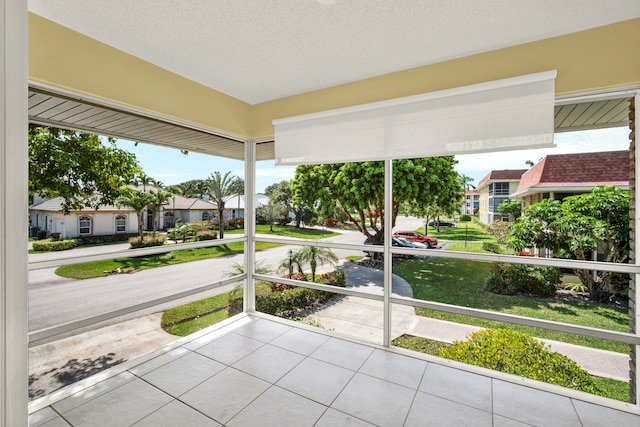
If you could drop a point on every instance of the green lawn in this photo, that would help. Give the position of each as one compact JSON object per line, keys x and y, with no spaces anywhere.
{"x":460,"y":282}
{"x":613,"y":389}
{"x":468,"y":231}
{"x":90,"y":270}
{"x":288,"y":231}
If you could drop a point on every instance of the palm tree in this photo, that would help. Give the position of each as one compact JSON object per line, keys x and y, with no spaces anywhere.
{"x":144,"y":180}
{"x":466,"y":182}
{"x":158,"y":198}
{"x":287,"y":264}
{"x":220,"y":188}
{"x":136,"y":200}
{"x":314,"y":255}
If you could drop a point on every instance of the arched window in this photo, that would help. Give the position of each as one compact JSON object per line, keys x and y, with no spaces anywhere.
{"x":84,"y":225}
{"x":121,"y":224}
{"x":205,"y":216}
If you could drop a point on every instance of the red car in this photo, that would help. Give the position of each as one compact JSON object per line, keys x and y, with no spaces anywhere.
{"x":414,"y":236}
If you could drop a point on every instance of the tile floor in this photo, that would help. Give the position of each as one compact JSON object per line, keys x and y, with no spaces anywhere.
{"x":258,"y":372}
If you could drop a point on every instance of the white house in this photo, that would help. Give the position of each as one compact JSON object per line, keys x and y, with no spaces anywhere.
{"x":107,"y":219}
{"x":234,"y":207}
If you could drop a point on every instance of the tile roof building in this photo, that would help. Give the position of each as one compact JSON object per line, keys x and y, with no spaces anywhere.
{"x":560,"y":175}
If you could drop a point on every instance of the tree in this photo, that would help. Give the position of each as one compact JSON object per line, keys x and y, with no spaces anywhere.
{"x":158,"y":198}
{"x":576,"y":227}
{"x":220,"y":188}
{"x":77,"y":166}
{"x":281,"y":193}
{"x":357,"y":189}
{"x":136,"y":200}
{"x":312,"y":255}
{"x":466,"y":182}
{"x":511,"y":207}
{"x":194,"y":188}
{"x":271,"y":212}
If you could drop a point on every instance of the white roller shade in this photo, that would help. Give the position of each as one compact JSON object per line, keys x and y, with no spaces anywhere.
{"x":509,"y":114}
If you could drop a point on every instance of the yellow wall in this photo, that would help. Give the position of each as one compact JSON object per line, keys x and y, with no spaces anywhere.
{"x":62,"y":58}
{"x":600,"y":58}
{"x":590,"y":60}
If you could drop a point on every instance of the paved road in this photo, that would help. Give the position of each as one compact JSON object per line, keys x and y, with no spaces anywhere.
{"x":54,"y":300}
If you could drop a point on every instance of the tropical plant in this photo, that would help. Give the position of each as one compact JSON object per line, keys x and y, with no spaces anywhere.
{"x":312,"y":255}
{"x":220,"y":188}
{"x":136,"y":200}
{"x":576,"y":227}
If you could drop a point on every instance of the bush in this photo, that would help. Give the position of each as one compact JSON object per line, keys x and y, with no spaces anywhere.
{"x":53,"y":245}
{"x":498,"y":286}
{"x":499,"y":230}
{"x":534,"y":280}
{"x":41,"y":234}
{"x":205,"y":235}
{"x":465,"y":217}
{"x":492,"y":247}
{"x":336,"y":278}
{"x":290,"y":301}
{"x":236,"y":223}
{"x":104,"y":238}
{"x":147,"y":241}
{"x":520,"y":354}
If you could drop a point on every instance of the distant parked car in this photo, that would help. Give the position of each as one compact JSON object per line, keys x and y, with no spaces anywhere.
{"x":398,"y":243}
{"x":433,"y":223}
{"x":415,"y":237}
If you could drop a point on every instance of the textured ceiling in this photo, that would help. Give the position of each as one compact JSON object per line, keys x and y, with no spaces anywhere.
{"x":259,"y":50}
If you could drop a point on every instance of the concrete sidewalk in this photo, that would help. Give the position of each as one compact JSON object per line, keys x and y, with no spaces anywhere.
{"x":362,"y":319}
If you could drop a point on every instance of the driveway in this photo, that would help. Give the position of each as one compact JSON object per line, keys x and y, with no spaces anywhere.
{"x":363,"y":318}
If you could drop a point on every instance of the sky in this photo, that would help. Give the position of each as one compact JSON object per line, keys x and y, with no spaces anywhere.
{"x":170,"y":166}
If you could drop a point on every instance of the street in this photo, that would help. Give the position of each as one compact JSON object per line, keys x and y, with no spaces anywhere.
{"x":54,"y":300}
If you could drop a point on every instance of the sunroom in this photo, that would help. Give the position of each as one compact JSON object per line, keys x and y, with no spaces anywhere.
{"x":211,"y":79}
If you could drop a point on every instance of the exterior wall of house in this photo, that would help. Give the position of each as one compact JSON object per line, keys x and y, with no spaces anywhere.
{"x":102,"y":223}
{"x":489,"y":202}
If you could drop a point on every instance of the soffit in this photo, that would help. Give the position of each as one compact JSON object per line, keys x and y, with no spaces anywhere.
{"x":263,"y":50}
{"x":52,"y":109}
{"x":598,"y":114}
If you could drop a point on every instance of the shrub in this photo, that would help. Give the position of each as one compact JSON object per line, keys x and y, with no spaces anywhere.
{"x":465,"y":217}
{"x":290,"y":301}
{"x":147,"y":241}
{"x":539,"y":281}
{"x":499,"y":230}
{"x":205,"y":235}
{"x":236,"y":223}
{"x":41,"y":234}
{"x":492,"y":247}
{"x":104,"y":238}
{"x":53,"y":245}
{"x":279,"y":287}
{"x":336,"y":278}
{"x":498,"y":286}
{"x":520,"y":354}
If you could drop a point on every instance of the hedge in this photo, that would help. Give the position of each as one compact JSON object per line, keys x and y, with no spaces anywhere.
{"x":53,"y":245}
{"x":520,"y":354}
{"x":518,"y":278}
{"x":148,"y":241}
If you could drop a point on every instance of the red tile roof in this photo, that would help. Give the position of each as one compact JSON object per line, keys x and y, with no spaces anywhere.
{"x":502,"y":175}
{"x":578,"y":170}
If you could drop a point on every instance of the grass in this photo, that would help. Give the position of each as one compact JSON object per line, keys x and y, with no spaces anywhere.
{"x":468,"y":231}
{"x":613,"y":389}
{"x":194,"y":316}
{"x":461,"y":282}
{"x":288,"y":231}
{"x":91,"y":270}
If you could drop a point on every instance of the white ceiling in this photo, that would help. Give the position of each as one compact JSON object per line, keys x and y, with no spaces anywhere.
{"x":259,"y":50}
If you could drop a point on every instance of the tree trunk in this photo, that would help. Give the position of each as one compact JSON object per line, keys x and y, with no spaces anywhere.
{"x":140,"y":231}
{"x":597,"y":288}
{"x":221,"y":222}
